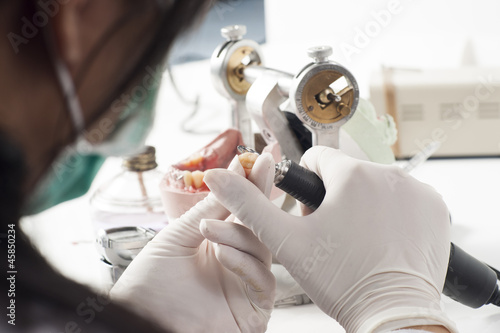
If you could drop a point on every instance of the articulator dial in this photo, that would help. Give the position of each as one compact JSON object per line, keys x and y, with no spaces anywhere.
{"x":326,"y":96}
{"x":323,"y":95}
{"x":229,"y":61}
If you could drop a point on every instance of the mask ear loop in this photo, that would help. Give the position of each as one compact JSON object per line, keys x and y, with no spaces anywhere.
{"x":66,"y":84}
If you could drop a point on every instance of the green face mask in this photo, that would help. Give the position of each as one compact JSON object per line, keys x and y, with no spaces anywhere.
{"x":72,"y":173}
{"x":64,"y":182}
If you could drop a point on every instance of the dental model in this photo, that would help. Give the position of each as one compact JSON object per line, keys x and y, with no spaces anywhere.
{"x":187,"y":175}
{"x":193,"y":181}
{"x":183,"y":186}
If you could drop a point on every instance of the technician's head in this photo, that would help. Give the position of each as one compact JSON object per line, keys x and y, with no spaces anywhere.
{"x":74,"y":69}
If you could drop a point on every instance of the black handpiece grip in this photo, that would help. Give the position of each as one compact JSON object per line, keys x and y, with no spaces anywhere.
{"x":468,"y":280}
{"x":301,"y":183}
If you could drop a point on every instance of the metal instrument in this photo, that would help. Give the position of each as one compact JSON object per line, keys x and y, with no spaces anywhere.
{"x":323,"y":95}
{"x":119,"y":246}
{"x":228,"y":64}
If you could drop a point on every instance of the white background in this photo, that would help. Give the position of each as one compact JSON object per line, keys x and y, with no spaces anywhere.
{"x":423,"y":33}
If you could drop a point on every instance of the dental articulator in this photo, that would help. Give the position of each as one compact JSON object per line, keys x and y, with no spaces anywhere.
{"x":320,"y":98}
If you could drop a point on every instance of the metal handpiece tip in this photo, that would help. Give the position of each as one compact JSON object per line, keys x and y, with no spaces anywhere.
{"x":243,"y":149}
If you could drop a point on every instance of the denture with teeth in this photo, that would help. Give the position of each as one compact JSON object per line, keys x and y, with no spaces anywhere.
{"x":183,"y":186}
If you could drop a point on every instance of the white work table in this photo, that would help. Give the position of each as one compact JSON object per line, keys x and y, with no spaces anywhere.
{"x":470,"y":187}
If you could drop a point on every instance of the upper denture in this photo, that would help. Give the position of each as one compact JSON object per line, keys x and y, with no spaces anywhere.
{"x":216,"y":154}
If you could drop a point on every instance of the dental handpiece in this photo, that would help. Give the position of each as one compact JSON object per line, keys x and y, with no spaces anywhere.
{"x":468,"y":280}
{"x":299,"y":182}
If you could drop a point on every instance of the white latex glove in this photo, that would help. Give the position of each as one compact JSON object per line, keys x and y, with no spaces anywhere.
{"x":189,"y":284}
{"x":373,"y":256}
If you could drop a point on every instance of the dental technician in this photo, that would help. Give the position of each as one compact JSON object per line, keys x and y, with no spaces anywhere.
{"x":78,"y":82}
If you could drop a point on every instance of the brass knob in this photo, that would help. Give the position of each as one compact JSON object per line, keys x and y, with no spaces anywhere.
{"x":141,"y":162}
{"x":343,"y":109}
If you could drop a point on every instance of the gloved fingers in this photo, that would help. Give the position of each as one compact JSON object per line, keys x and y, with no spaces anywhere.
{"x":251,"y":207}
{"x":328,"y":163}
{"x":258,"y":278}
{"x":185,"y":231}
{"x":236,"y":236}
{"x":262,"y":174}
{"x":231,"y":218}
{"x":342,"y":176}
{"x":304,"y":210}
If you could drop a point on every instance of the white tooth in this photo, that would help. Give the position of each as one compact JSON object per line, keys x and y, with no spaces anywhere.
{"x":198,"y":178}
{"x":247,"y":161}
{"x":188,"y":178}
{"x":193,"y":160}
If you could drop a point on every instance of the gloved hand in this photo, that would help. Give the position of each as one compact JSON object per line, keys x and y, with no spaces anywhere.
{"x":373,"y":256}
{"x":190,"y":284}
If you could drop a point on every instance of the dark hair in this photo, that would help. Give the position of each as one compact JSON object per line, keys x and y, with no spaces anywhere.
{"x":43,"y":296}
